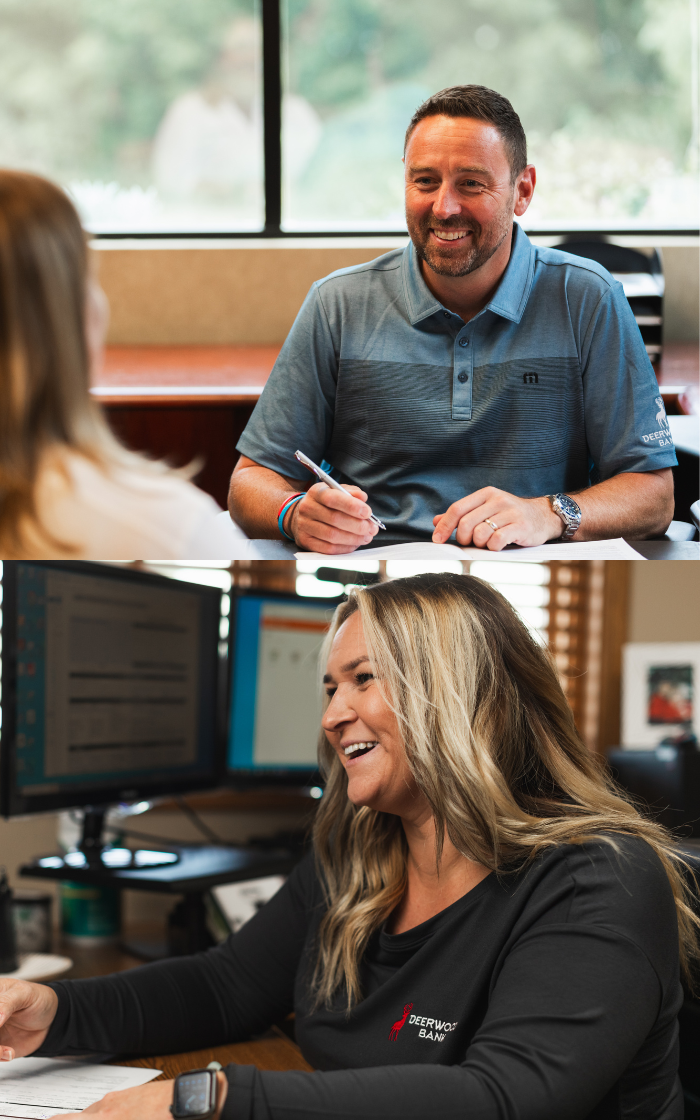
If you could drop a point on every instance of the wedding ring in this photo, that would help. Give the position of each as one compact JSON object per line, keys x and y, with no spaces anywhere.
{"x":493,"y":524}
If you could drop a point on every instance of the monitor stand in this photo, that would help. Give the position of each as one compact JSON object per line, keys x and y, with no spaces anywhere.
{"x":93,"y":852}
{"x":186,"y":931}
{"x":187,"y":870}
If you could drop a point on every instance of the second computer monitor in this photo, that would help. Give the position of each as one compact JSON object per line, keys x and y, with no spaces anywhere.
{"x":275,"y":697}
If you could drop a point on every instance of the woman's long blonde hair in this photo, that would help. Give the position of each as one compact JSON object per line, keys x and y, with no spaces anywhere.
{"x":491,"y":743}
{"x":45,"y":403}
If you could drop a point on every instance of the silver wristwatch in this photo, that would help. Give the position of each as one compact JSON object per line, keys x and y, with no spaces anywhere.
{"x":570,"y":513}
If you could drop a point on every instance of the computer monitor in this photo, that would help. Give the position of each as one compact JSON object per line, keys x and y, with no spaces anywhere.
{"x":275,"y":698}
{"x":110,"y":686}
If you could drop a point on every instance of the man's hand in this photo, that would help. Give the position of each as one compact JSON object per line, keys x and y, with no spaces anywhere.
{"x":633,"y":504}
{"x":26,"y":1013}
{"x":330,"y":522}
{"x":325,"y":520}
{"x":523,"y":521}
{"x":143,"y":1102}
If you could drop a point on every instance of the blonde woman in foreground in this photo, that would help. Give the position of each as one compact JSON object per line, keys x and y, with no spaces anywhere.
{"x":68,"y":489}
{"x":485,"y":929}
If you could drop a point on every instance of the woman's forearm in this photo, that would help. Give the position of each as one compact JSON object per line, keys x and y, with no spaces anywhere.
{"x":159,"y":1008}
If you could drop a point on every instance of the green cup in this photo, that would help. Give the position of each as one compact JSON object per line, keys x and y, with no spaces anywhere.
{"x":90,"y":915}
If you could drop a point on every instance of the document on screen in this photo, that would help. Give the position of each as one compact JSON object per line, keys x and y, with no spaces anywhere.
{"x":36,"y":1088}
{"x":121,"y":687}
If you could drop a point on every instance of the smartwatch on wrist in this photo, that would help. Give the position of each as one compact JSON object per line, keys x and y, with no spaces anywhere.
{"x":195,"y":1094}
{"x":570,"y":513}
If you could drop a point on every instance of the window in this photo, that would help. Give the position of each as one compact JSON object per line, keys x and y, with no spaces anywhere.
{"x":152,"y":111}
{"x":149,"y":111}
{"x":575,"y":608}
{"x":606,"y":90}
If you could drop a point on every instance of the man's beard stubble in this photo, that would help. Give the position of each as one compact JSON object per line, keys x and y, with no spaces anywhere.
{"x":481,"y":248}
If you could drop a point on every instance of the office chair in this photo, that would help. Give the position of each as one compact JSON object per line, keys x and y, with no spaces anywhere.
{"x":646,"y":300}
{"x":641,"y":277}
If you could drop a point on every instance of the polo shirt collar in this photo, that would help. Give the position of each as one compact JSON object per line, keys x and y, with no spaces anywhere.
{"x":511,"y":295}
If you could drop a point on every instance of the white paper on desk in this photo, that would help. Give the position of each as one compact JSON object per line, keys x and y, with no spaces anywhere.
{"x":36,"y":1088}
{"x":616,"y":549}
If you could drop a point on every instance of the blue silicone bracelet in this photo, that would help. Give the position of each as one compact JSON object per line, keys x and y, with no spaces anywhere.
{"x":283,"y":513}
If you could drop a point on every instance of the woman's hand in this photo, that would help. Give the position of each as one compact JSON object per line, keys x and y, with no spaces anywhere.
{"x":144,"y":1102}
{"x":26,"y":1013}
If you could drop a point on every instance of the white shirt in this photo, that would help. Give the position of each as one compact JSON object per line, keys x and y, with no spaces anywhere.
{"x":124,"y":513}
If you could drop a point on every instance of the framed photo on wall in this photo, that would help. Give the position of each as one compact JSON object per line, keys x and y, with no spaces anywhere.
{"x":660,"y":692}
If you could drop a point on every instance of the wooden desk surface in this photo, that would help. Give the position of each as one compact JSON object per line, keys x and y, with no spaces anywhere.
{"x":103,"y":959}
{"x":680,"y":364}
{"x":275,"y":1051}
{"x":154,"y":375}
{"x":191,"y":403}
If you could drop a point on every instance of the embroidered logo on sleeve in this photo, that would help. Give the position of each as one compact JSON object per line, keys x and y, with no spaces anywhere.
{"x":433,"y":1029}
{"x":663,"y":434}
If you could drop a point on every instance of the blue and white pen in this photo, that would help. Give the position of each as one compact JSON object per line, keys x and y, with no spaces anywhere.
{"x":329,"y":481}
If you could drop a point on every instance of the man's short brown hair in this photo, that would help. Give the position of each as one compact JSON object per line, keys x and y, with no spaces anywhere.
{"x":483,"y":105}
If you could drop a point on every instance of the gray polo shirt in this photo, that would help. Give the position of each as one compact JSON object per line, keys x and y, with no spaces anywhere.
{"x":548,"y":389}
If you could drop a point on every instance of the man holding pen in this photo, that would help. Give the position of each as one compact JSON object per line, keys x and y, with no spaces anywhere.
{"x":470,"y":384}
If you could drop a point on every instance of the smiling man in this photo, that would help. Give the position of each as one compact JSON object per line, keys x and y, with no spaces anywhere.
{"x":470,"y":384}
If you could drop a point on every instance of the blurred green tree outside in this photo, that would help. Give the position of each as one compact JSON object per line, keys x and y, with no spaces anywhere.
{"x":86,"y":82}
{"x":604,"y":89}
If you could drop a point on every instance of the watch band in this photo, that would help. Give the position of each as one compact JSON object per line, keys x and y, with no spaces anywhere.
{"x":569,"y":511}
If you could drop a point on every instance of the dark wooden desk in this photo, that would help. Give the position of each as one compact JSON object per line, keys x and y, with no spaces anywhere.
{"x":275,"y":1051}
{"x":679,"y":365}
{"x":187,"y":403}
{"x":148,"y":375}
{"x":103,"y":959}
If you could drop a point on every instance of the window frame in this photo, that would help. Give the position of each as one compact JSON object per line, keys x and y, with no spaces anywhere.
{"x":272,"y":148}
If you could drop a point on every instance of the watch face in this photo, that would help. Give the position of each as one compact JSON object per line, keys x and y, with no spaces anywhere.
{"x":195,"y":1094}
{"x":569,"y":506}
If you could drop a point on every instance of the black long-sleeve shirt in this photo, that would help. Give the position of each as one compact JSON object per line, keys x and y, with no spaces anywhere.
{"x":548,"y":994}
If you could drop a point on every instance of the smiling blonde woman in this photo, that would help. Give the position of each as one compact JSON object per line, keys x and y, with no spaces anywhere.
{"x":486,"y":928}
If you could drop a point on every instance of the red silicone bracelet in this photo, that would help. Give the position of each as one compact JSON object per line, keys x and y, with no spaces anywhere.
{"x":288,"y":500}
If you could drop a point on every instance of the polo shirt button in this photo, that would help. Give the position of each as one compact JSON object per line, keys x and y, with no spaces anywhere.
{"x":463,"y":377}
{"x":464,"y":342}
{"x":446,"y":314}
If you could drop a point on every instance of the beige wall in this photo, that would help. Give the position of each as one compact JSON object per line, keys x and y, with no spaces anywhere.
{"x":249,"y":292}
{"x":240,"y":296}
{"x":664,"y":604}
{"x":21,"y":840}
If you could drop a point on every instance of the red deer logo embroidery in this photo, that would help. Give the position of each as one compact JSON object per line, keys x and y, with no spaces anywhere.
{"x":394,"y":1032}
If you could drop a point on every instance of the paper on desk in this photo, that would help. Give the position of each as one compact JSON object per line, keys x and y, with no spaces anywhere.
{"x":616,"y":549}
{"x":35,"y":1088}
